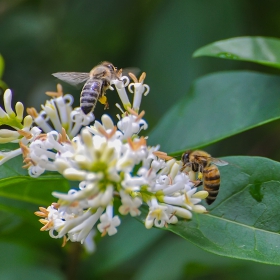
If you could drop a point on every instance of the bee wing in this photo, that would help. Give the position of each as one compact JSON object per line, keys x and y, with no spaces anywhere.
{"x":219,"y":162}
{"x":72,"y":78}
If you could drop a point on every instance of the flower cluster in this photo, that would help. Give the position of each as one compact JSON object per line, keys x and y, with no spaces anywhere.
{"x":109,"y":162}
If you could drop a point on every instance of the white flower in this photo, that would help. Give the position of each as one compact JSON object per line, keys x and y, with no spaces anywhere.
{"x":139,"y":89}
{"x":58,"y":114}
{"x":130,"y":205}
{"x":131,"y":125}
{"x":41,"y":153}
{"x":109,"y":162}
{"x":120,"y":85}
{"x":108,"y":222}
{"x":81,"y":231}
{"x":160,"y":215}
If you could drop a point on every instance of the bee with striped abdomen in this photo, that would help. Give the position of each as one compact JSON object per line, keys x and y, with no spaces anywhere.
{"x":202,"y":162}
{"x":97,"y":81}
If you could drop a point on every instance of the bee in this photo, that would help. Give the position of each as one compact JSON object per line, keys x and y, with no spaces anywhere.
{"x":97,"y":81}
{"x":202,"y":162}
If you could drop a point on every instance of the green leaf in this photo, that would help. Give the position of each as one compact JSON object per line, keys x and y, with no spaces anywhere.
{"x":33,"y":190}
{"x":260,"y":50}
{"x":217,"y":106}
{"x":16,"y":184}
{"x":192,"y":263}
{"x":238,"y":225}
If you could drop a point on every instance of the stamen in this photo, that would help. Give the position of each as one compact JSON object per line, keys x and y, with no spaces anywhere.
{"x":133,"y":77}
{"x":42,"y":137}
{"x":132,"y":112}
{"x":26,"y":166}
{"x":105,"y":134}
{"x":25,"y":149}
{"x":32,"y":112}
{"x":63,"y":137}
{"x":55,"y":94}
{"x":64,"y":241}
{"x":136,"y":145}
{"x":25,"y":134}
{"x":142,"y":77}
{"x":44,"y":210}
{"x":162,"y":155}
{"x":140,"y":116}
{"x":40,"y":214}
{"x":55,"y":205}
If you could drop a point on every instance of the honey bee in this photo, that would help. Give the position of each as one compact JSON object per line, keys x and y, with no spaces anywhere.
{"x":97,"y":81}
{"x":202,"y":162}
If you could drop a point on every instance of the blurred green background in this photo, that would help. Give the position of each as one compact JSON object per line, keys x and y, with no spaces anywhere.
{"x":40,"y":37}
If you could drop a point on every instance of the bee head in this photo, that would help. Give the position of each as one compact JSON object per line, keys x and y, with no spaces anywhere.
{"x":110,"y":66}
{"x":186,"y":157}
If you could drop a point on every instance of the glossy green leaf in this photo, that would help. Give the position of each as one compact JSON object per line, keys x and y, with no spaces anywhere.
{"x":16,"y":184}
{"x":217,"y":106}
{"x":182,"y":260}
{"x":238,"y":225}
{"x":260,"y":50}
{"x":33,"y":190}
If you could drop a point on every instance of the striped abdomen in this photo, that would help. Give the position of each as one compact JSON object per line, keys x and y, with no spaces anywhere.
{"x":90,"y":94}
{"x":211,"y":182}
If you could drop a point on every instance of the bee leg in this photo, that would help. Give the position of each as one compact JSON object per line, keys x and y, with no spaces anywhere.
{"x":197,"y":183}
{"x":106,"y":106}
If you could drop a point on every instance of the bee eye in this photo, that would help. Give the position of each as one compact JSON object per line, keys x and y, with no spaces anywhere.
{"x":111,"y":67}
{"x":185,"y":157}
